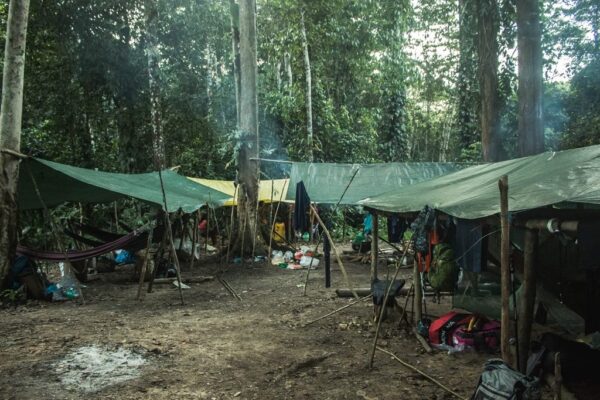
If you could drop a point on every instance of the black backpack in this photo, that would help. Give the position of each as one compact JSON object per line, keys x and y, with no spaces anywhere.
{"x":500,"y":382}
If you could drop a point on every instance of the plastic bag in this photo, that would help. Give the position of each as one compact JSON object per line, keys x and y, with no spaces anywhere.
{"x":307,"y":261}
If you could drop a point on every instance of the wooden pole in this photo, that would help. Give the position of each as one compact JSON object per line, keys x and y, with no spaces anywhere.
{"x":175,"y":258}
{"x":557,"y":377}
{"x":407,"y":365}
{"x":337,"y":255}
{"x":505,"y":271}
{"x":353,"y":302}
{"x":194,"y":237}
{"x":207,"y":228}
{"x":116,"y":216}
{"x":140,"y":293}
{"x":418,"y":293}
{"x":382,"y":311}
{"x":527,"y":300}
{"x":274,"y":221}
{"x":374,"y":246}
{"x":233,"y":206}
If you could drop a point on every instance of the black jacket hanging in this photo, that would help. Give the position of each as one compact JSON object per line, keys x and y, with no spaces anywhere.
{"x":301,"y":223}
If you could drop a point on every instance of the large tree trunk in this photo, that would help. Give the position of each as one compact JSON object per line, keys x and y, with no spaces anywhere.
{"x":309,"y":118}
{"x":468,"y":92}
{"x":529,"y":42}
{"x":10,"y":130}
{"x":248,"y":166}
{"x":488,"y":23}
{"x":235,"y":54}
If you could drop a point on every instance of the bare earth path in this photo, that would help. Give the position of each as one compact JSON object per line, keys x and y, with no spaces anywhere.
{"x":215,"y":347}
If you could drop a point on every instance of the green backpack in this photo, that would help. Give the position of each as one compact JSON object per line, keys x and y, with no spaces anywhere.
{"x":443,"y":272}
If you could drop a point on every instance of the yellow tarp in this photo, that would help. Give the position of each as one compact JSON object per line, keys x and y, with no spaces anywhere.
{"x":278,"y":188}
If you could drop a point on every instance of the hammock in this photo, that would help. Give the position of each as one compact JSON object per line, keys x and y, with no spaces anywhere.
{"x":120,"y":243}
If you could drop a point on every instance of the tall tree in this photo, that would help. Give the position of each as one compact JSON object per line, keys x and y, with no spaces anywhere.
{"x":10,"y":129}
{"x":467,"y":124}
{"x":530,"y":91}
{"x":392,"y":136}
{"x":248,"y":165}
{"x":308,"y":77}
{"x":234,"y":10}
{"x":488,"y":26}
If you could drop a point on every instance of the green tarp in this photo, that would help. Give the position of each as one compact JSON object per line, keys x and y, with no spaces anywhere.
{"x":537,"y":181}
{"x":325,"y":182}
{"x":59,"y":183}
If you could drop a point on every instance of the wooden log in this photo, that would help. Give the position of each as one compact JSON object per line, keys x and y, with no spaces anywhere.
{"x":335,"y":251}
{"x":505,"y":271}
{"x":527,"y":300}
{"x":564,"y":226}
{"x":374,"y":246}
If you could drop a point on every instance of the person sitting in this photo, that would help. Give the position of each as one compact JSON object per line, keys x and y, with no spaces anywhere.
{"x":203,"y":226}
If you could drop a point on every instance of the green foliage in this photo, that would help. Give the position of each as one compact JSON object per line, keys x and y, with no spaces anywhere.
{"x":583,"y":108}
{"x":392,"y":81}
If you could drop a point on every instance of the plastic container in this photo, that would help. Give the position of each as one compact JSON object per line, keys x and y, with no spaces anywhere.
{"x":306,"y":261}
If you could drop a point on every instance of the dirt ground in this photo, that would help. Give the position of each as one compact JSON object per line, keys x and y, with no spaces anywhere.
{"x":216,"y":347}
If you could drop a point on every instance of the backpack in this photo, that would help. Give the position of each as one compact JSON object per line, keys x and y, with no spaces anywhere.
{"x":441,"y":330}
{"x":443,"y":272}
{"x":500,"y":382}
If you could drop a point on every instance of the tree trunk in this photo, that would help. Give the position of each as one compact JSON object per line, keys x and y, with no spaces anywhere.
{"x":309,"y":122}
{"x":125,"y":99}
{"x":468,"y":92}
{"x":529,"y":44}
{"x":248,"y":166}
{"x":488,"y":78}
{"x":287,"y":65}
{"x":235,"y":54}
{"x":10,"y":129}
{"x":152,"y":52}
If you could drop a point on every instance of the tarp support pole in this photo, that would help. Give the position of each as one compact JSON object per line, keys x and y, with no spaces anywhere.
{"x":140,"y":293}
{"x":374,"y":246}
{"x":527,"y":299}
{"x":505,"y":271}
{"x":418,"y":293}
{"x":194,"y":237}
{"x":327,"y":259}
{"x":337,"y":255}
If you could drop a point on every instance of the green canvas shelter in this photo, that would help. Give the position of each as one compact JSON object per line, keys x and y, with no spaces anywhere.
{"x":59,"y":183}
{"x":325,"y":182}
{"x":537,"y":181}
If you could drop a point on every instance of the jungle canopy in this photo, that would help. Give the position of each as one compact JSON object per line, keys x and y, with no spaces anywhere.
{"x":536,"y":181}
{"x":325,"y":182}
{"x":59,"y":183}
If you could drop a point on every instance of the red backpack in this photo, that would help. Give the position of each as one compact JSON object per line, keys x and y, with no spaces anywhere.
{"x":441,"y":330}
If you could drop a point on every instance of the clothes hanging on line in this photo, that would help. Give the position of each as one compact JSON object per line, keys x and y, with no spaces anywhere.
{"x":301,"y":222}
